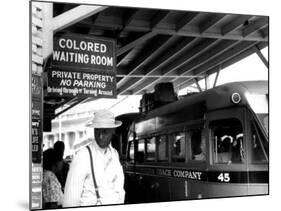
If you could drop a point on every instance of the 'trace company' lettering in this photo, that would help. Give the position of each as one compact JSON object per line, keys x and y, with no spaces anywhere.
{"x":187,"y":174}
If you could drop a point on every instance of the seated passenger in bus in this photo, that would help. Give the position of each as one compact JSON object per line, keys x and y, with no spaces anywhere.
{"x":237,"y":149}
{"x":178,"y":152}
{"x":198,"y":146}
{"x":140,"y":157}
{"x":199,"y":156}
{"x":224,"y":149}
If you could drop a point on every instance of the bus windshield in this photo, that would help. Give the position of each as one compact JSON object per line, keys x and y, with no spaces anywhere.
{"x":259,"y":104}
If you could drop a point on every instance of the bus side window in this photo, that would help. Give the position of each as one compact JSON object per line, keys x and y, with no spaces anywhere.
{"x":150,"y":149}
{"x":228,"y":144}
{"x":162,"y":148}
{"x":178,"y":150}
{"x":131,"y":154}
{"x":259,"y":145}
{"x":140,"y":151}
{"x":198,"y":146}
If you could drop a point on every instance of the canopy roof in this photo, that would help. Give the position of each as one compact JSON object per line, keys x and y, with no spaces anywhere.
{"x":155,"y":45}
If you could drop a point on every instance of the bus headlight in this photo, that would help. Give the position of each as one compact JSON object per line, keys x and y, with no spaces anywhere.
{"x":235,"y":98}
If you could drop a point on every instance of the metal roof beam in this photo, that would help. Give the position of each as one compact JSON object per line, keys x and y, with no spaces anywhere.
{"x":237,"y":58}
{"x":127,"y":19}
{"x":155,"y":76}
{"x":195,"y":33}
{"x":210,"y":22}
{"x":190,"y":31}
{"x":218,"y":49}
{"x":261,"y":56}
{"x":216,"y":79}
{"x":229,"y":62}
{"x":161,"y":15}
{"x":167,"y":57}
{"x":148,"y":53}
{"x":210,"y":53}
{"x":198,"y":85}
{"x":173,"y":66}
{"x":255,"y":26}
{"x":185,"y":20}
{"x":217,"y":61}
{"x":71,"y":106}
{"x":135,"y":43}
{"x":123,"y":57}
{"x":74,"y":15}
{"x":234,"y":24}
{"x":264,"y":32}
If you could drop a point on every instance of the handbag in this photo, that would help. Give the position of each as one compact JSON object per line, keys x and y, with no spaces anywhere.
{"x":94,"y":178}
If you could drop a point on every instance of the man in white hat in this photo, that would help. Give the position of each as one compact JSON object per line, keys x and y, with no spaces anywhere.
{"x":106,"y":186}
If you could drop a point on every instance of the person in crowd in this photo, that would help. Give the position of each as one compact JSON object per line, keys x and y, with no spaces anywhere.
{"x":237,"y":149}
{"x":59,"y":152}
{"x":102,"y":180}
{"x":198,"y":147}
{"x":52,"y":193}
{"x":225,"y":149}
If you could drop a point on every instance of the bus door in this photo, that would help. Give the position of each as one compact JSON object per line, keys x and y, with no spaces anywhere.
{"x":141,"y":182}
{"x":227,"y":167}
{"x":152,"y":175}
{"x":131,"y":183}
{"x":258,"y":154}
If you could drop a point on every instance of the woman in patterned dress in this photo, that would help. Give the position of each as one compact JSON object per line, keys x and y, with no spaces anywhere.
{"x":52,"y":192}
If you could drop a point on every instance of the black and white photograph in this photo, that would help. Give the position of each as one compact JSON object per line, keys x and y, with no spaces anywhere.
{"x":135,"y":105}
{"x":140,"y":105}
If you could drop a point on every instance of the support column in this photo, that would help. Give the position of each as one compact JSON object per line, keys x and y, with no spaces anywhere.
{"x":36,"y":142}
{"x":47,"y":29}
{"x":216,"y":79}
{"x":207,"y":82}
{"x":261,"y":56}
{"x":197,"y":84}
{"x":43,"y":25}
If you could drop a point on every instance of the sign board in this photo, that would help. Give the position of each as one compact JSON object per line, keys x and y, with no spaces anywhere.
{"x":83,"y":84}
{"x":84,"y":52}
{"x":36,"y":186}
{"x":82,"y":66}
{"x":36,"y":130}
{"x":36,"y":86}
{"x":36,"y":118}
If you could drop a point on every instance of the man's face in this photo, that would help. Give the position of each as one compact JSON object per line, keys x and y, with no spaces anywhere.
{"x":103,"y":136}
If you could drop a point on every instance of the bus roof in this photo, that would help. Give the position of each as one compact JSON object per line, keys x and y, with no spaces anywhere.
{"x":215,"y":98}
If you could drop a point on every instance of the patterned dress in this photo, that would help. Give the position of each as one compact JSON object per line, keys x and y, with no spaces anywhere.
{"x":51,"y":188}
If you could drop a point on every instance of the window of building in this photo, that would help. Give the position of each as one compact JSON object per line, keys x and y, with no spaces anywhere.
{"x":198,"y":145}
{"x":162,"y":146}
{"x":178,"y":147}
{"x":227,"y":140}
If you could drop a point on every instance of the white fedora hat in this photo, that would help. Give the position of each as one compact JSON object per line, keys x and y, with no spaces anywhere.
{"x":103,"y":119}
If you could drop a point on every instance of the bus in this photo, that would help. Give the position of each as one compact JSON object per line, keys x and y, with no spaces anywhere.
{"x":203,"y":145}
